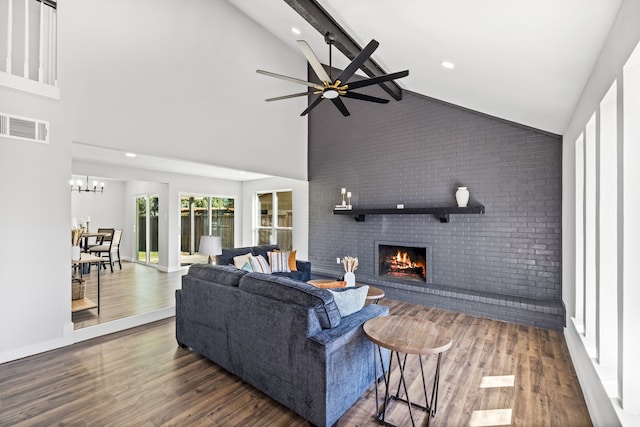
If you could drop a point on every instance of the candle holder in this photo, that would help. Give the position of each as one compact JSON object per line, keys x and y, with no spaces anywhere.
{"x":349,"y":199}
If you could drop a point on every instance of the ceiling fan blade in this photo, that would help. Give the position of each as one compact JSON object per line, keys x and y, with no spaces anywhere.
{"x":376,"y":80}
{"x":363,"y":97}
{"x":358,"y":61}
{"x":313,"y":105}
{"x":343,"y":109}
{"x":290,"y":79}
{"x":295,"y":95}
{"x":313,"y":61}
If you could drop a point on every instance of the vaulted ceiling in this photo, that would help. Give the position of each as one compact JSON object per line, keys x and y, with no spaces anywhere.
{"x":523,"y":61}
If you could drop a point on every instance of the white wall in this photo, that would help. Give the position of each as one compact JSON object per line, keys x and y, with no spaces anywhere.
{"x":35,"y":291}
{"x":104,"y":209}
{"x":169,"y":187}
{"x":177,"y":79}
{"x":300,"y":196}
{"x":624,"y":36}
{"x":165,"y":78}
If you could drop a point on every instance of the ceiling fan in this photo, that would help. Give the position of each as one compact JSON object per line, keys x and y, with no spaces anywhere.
{"x":335,"y":89}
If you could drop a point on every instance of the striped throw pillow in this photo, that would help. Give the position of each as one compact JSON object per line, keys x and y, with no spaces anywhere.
{"x":260,"y":265}
{"x":279,"y":262}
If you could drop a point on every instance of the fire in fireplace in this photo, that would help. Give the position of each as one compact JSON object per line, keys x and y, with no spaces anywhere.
{"x":402,"y":262}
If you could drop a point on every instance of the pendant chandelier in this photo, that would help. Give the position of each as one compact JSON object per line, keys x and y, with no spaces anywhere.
{"x":78,"y":186}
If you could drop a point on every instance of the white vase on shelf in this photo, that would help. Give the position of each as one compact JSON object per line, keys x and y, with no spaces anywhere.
{"x":462,"y":197}
{"x":350,"y":278}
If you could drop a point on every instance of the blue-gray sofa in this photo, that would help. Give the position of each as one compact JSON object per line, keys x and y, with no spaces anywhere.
{"x":284,"y":337}
{"x":304,"y":267}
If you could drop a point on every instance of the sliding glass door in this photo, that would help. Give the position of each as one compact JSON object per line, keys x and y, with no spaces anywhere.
{"x":147,"y":229}
{"x":204,"y":215}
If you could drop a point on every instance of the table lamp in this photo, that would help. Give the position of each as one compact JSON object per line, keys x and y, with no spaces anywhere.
{"x":210,"y":245}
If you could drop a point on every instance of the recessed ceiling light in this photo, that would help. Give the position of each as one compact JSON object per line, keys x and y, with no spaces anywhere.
{"x":448,"y":65}
{"x":295,"y":31}
{"x":130,"y":154}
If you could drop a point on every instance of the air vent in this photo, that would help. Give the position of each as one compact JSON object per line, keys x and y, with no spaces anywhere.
{"x":24,"y":128}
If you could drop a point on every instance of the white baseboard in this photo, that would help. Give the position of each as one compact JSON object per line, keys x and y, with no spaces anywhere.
{"x":123,"y":324}
{"x":30,"y":350}
{"x":601,"y":407}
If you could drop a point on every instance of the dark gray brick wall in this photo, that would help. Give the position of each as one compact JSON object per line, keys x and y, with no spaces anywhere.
{"x":417,"y":152}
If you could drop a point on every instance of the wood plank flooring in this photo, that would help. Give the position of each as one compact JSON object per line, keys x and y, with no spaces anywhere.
{"x":140,"y":377}
{"x":135,"y":289}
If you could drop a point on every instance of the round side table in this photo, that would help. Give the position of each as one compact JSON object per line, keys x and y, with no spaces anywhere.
{"x":408,"y":335}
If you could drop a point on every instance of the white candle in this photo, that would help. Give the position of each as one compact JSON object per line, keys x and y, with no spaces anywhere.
{"x":349,"y":194}
{"x":88,"y":218}
{"x":344,"y":190}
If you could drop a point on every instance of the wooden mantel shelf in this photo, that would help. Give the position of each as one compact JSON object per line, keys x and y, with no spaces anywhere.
{"x":442,"y":213}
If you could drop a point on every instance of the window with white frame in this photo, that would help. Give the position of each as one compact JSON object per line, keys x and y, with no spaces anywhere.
{"x":274,"y":219}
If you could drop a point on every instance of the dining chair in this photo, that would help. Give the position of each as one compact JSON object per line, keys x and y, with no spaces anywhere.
{"x":100,"y":240}
{"x":110,"y":250}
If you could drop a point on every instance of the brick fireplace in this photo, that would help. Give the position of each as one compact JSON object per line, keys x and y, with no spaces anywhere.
{"x":403,"y":262}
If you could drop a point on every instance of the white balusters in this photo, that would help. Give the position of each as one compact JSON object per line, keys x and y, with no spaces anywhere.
{"x":46,"y":33}
{"x":26,"y":39}
{"x":41,"y":46}
{"x":9,"y":35}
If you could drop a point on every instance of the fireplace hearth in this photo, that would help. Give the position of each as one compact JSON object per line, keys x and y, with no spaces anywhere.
{"x":404,"y":262}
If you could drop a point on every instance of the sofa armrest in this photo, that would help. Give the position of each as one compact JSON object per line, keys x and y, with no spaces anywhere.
{"x":356,"y":320}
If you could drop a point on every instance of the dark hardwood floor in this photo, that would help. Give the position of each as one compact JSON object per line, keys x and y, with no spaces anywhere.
{"x":140,"y":377}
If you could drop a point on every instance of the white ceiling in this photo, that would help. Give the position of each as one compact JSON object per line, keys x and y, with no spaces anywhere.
{"x":524,"y":61}
{"x":95,"y":154}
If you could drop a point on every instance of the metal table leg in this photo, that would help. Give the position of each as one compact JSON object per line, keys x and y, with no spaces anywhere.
{"x":431,"y":404}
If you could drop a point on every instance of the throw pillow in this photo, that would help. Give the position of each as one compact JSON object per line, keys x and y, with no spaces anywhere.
{"x":260,"y":265}
{"x":247,"y":267}
{"x":292,"y":261}
{"x":240,"y":260}
{"x":351,"y":300}
{"x":279,"y":261}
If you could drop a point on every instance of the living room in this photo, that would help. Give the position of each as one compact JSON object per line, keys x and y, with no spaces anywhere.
{"x":118,"y":90}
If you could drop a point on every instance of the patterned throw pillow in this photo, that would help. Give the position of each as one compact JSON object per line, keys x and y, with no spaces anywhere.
{"x":292,"y":260}
{"x":260,"y":265}
{"x":279,"y":261}
{"x":247,"y":267}
{"x":240,"y":260}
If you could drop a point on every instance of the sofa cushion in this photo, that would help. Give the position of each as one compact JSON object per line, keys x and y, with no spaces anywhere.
{"x":350,"y":300}
{"x":294,"y":292}
{"x":223,"y":274}
{"x":295,"y":275}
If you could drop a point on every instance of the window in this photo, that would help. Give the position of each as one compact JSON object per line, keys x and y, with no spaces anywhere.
{"x":204,"y":215}
{"x":274,"y":223}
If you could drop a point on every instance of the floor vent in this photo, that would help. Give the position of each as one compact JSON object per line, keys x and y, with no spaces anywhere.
{"x":24,"y":128}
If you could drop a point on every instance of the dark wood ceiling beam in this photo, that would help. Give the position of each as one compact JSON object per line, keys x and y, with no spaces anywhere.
{"x":50,"y":3}
{"x":319,"y":19}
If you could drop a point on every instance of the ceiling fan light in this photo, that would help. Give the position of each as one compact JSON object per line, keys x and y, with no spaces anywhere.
{"x":330,"y":94}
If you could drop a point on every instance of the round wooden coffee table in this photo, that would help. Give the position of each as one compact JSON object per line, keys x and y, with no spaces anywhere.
{"x":408,"y":335}
{"x":374,"y":294}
